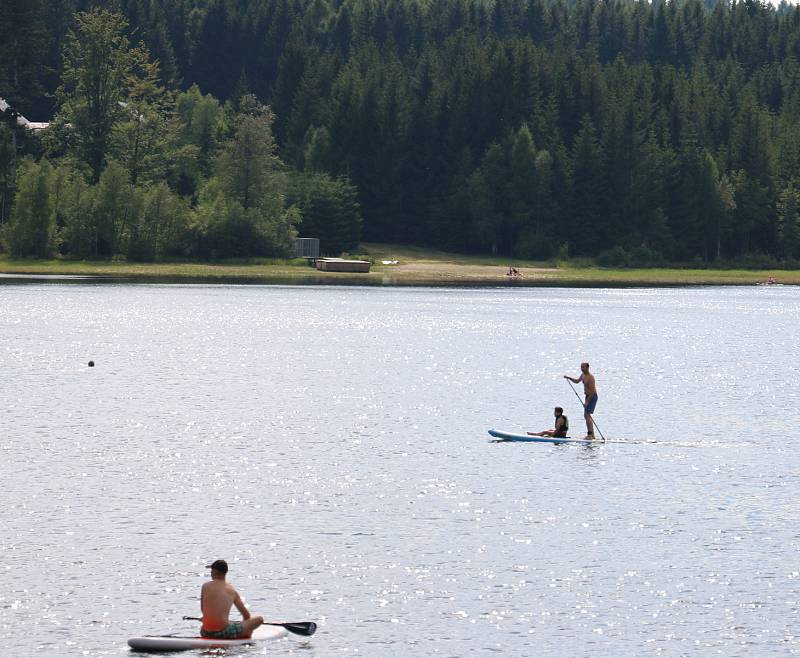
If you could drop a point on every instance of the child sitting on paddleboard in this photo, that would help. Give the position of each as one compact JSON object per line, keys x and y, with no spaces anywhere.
{"x":561,"y":428}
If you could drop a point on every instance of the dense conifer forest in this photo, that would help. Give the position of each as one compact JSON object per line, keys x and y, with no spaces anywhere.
{"x":628,"y":131}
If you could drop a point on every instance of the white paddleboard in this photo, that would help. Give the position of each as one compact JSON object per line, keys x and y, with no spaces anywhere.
{"x":173,"y":643}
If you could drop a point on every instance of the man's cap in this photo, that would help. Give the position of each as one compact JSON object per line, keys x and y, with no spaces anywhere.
{"x":218,"y":565}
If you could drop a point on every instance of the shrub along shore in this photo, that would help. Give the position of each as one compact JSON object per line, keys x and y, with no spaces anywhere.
{"x":397,"y":265}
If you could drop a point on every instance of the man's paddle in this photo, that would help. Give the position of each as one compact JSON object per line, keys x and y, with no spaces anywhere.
{"x":594,"y":422}
{"x":306,"y":628}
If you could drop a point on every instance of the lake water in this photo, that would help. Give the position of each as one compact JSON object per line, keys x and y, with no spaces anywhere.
{"x":331,"y":444}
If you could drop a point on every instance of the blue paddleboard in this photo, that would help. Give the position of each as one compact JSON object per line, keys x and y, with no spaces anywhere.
{"x":527,"y":438}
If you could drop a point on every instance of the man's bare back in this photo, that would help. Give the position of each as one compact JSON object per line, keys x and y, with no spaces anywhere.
{"x":217,"y":597}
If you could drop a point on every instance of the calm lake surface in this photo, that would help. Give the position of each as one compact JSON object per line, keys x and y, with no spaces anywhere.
{"x":331,"y":444}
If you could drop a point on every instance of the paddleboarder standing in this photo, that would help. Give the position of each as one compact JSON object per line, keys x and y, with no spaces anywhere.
{"x":590,"y":394}
{"x":216,"y":599}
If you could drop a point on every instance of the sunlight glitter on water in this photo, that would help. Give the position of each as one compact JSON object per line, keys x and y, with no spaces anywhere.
{"x":331,"y":444}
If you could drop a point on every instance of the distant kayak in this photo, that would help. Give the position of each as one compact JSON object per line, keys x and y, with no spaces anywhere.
{"x":155,"y":643}
{"x":527,"y":438}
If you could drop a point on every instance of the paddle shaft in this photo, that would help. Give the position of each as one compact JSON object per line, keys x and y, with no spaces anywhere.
{"x":297,"y":627}
{"x":583,"y":404}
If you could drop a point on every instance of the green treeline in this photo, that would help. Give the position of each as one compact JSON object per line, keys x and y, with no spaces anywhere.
{"x":628,"y":131}
{"x":129,"y":166}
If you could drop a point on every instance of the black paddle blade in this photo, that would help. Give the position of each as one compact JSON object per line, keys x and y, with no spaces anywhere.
{"x":306,"y":628}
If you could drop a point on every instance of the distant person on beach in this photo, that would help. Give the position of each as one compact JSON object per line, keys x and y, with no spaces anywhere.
{"x":216,"y":599}
{"x":590,"y":395}
{"x":561,"y":428}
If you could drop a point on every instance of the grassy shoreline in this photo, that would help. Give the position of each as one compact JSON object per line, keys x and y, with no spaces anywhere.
{"x":415,"y":266}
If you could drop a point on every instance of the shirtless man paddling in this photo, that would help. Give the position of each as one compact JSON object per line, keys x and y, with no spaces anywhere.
{"x":590,"y":393}
{"x":216,"y":599}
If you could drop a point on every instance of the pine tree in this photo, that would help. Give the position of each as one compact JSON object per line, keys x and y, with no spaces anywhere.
{"x":789,"y":222}
{"x":586,"y":217}
{"x":23,"y":49}
{"x":8,"y":157}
